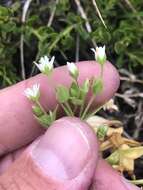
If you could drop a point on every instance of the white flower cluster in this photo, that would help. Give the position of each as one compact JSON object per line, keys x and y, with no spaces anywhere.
{"x":73,"y":70}
{"x":45,"y":65}
{"x":33,"y":93}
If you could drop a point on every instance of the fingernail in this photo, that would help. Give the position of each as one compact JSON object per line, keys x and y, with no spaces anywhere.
{"x":128,"y":185}
{"x":65,"y":149}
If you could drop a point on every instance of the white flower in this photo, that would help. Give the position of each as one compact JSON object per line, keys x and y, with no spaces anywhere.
{"x":100,"y":54}
{"x":73,"y":70}
{"x":45,"y":65}
{"x":110,"y":105}
{"x":33,"y":93}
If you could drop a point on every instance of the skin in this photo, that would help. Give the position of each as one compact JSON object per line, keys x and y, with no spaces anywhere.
{"x":65,"y":156}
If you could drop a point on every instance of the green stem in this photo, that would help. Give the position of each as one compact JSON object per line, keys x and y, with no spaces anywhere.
{"x":87,"y":107}
{"x":101,"y":72}
{"x":41,"y":107}
{"x":76,"y":106}
{"x":66,"y":110}
{"x":94,"y":112}
{"x":76,"y":82}
{"x":69,"y":108}
{"x":55,"y":111}
{"x":90,"y":102}
{"x":137,"y":182}
{"x":82,"y":106}
{"x":75,"y":109}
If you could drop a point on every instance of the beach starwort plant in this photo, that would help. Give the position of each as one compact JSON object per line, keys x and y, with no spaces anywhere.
{"x":72,"y":100}
{"x":75,"y":101}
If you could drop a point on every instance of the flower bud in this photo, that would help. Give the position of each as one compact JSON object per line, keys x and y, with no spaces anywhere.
{"x":33,"y":93}
{"x":73,"y":70}
{"x":100,"y":54}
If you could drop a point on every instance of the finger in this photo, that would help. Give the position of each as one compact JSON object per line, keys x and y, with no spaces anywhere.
{"x":64,"y":158}
{"x":17,"y":124}
{"x":108,"y":178}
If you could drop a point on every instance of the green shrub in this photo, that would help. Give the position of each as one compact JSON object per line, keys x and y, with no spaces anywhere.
{"x":123,"y":35}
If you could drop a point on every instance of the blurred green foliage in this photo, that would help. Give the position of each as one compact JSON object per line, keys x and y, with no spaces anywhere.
{"x":123,"y":36}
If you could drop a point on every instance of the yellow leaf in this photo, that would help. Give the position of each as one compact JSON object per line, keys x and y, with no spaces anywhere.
{"x":133,"y":153}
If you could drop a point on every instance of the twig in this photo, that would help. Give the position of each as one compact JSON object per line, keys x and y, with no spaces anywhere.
{"x":128,"y":100}
{"x":138,"y":120}
{"x":51,"y":18}
{"x":127,"y":73}
{"x":22,"y":56}
{"x":135,"y":95}
{"x":25,"y":10}
{"x":77,"y":48}
{"x":132,"y":80}
{"x":98,"y":12}
{"x":77,"y":45}
{"x":84,"y":16}
{"x":23,"y":19}
{"x":130,"y":77}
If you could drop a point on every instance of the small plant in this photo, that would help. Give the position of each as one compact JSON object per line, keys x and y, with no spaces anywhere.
{"x":75,"y":101}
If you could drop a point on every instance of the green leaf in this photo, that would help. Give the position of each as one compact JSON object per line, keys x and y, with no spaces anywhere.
{"x":4,"y":11}
{"x":76,"y":101}
{"x":82,"y":32}
{"x":74,"y":90}
{"x":97,"y":86}
{"x":62,"y":94}
{"x":37,"y":110}
{"x":86,"y":86}
{"x":102,"y":131}
{"x":44,"y":120}
{"x":54,"y":113}
{"x":113,"y":159}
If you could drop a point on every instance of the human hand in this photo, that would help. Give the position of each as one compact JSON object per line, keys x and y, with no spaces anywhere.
{"x":66,"y":156}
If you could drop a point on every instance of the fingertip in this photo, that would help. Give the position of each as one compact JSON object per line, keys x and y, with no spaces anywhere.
{"x":64,"y":158}
{"x":71,"y":143}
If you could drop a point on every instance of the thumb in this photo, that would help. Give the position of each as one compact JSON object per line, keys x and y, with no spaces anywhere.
{"x":63,"y":159}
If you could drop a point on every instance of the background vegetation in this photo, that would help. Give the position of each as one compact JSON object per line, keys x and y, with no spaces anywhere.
{"x":68,"y":29}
